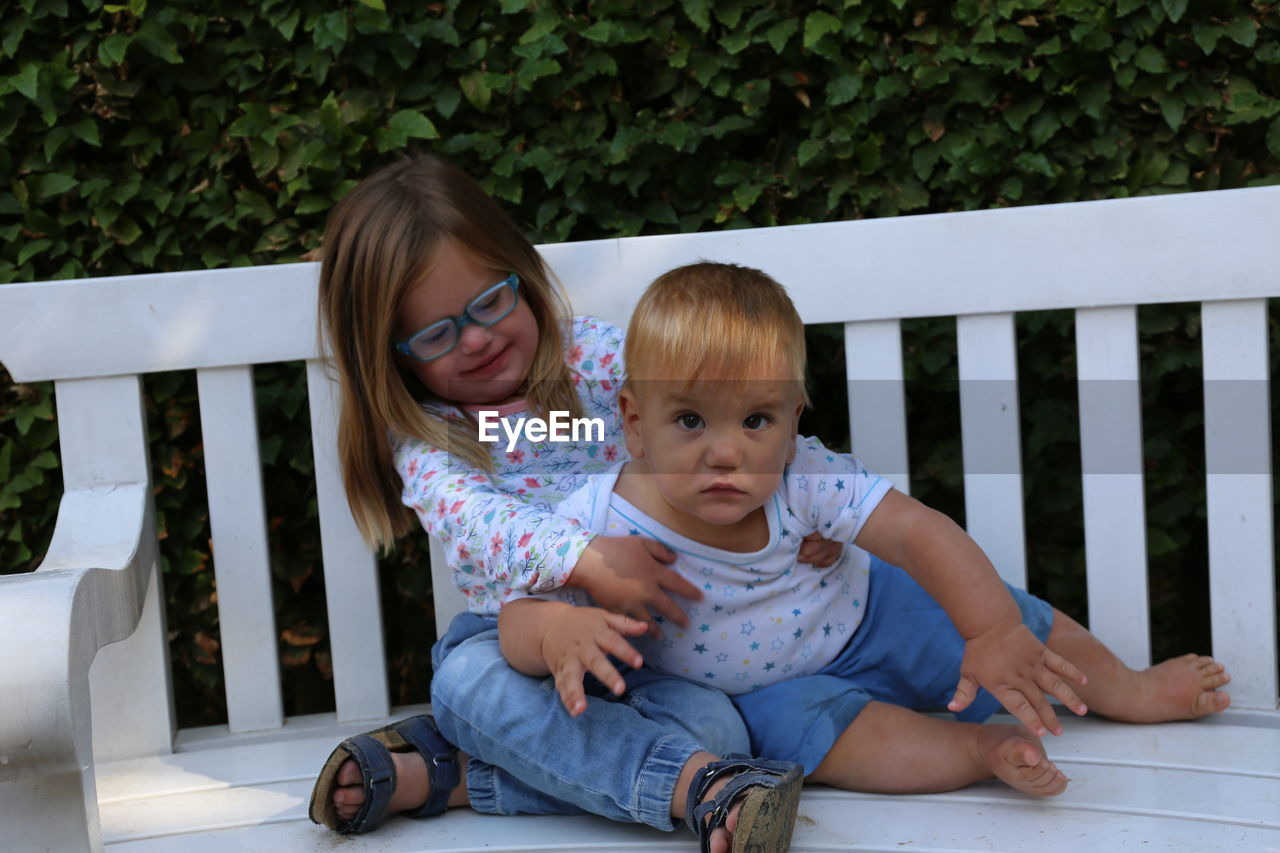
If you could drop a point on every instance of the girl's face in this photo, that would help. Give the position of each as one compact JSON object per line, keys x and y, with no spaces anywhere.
{"x":489,"y":364}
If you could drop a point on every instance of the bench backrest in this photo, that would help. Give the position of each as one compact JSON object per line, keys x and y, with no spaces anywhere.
{"x":1101,"y":259}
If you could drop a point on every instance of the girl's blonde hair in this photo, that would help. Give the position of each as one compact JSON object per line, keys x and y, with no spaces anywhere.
{"x":714,"y":321}
{"x":380,"y":241}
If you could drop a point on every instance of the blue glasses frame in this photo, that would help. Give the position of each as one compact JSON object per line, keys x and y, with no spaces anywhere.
{"x":459,"y":323}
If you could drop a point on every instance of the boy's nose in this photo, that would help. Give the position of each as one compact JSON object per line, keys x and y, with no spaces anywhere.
{"x":723,"y":453}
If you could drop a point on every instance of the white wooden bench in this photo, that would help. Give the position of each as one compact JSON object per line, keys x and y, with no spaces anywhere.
{"x":88,"y":749}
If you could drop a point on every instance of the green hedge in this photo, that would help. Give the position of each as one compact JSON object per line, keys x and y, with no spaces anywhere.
{"x":160,"y":136}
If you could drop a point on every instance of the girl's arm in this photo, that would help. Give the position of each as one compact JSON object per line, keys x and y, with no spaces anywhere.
{"x":508,"y":545}
{"x":542,"y":638}
{"x":1001,"y":653}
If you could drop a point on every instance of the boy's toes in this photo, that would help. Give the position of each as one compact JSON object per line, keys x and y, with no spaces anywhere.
{"x":348,"y":798}
{"x":1209,"y":702}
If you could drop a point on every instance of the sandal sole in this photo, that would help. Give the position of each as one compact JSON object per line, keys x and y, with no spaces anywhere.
{"x":321,"y":809}
{"x":768,"y":817}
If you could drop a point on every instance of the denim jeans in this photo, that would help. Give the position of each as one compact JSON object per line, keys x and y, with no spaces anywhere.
{"x":619,"y":759}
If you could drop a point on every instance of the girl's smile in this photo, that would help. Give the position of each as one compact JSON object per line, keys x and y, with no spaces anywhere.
{"x":489,"y":364}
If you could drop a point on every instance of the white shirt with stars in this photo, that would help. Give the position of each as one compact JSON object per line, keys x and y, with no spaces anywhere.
{"x":764,"y":617}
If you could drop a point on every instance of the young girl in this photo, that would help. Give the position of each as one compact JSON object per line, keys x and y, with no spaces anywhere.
{"x":436,"y":308}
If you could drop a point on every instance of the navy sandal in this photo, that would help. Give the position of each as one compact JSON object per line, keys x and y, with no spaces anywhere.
{"x":770,"y":795}
{"x":372,"y":752}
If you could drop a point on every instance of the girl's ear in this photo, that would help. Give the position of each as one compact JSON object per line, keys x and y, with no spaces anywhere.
{"x":629,"y":408}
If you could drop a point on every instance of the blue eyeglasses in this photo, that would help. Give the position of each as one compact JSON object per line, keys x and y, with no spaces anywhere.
{"x":442,"y":336}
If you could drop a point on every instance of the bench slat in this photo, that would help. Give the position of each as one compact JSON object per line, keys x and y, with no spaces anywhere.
{"x":877,"y":399}
{"x":1238,"y":497}
{"x":990,"y":439}
{"x":352,"y":602}
{"x":237,"y":519}
{"x":1115,"y":538}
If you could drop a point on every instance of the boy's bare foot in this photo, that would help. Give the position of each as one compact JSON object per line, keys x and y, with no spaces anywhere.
{"x":412,"y":786}
{"x":1016,"y":757}
{"x":1182,"y":688}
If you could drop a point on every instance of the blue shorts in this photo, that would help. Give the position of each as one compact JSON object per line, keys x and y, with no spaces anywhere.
{"x":906,"y":652}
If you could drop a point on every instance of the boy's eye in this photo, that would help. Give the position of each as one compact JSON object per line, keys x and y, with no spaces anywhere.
{"x":756,"y":421}
{"x":689,"y":420}
{"x":488,"y":303}
{"x":434,"y":335}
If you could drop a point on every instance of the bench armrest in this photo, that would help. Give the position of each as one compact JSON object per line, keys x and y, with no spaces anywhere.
{"x":87,"y":593}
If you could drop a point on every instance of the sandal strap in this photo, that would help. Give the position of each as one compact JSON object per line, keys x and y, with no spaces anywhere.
{"x":377,"y":777}
{"x":443,"y":772}
{"x":747,"y":773}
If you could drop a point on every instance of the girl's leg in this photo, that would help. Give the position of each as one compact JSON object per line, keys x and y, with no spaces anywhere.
{"x":888,"y":749}
{"x":1182,"y":688}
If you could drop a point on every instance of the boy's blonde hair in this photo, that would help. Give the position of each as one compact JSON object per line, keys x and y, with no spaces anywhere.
{"x":714,"y":321}
{"x":380,"y":241}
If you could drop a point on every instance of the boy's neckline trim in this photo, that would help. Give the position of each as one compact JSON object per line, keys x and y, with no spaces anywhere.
{"x":511,"y":408}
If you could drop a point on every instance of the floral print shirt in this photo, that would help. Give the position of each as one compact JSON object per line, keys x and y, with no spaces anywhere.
{"x":499,"y":529}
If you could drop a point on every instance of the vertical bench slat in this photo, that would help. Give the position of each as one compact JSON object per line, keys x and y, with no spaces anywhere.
{"x":877,"y":399}
{"x":1115,"y":535}
{"x":237,"y":518}
{"x":991,"y":443}
{"x":1237,"y":428}
{"x":350,"y":569}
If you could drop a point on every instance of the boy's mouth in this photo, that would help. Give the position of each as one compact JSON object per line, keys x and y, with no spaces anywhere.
{"x":723,"y":490}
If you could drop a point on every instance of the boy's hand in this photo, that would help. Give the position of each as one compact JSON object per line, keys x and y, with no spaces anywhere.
{"x":1018,"y":669}
{"x":578,"y":641}
{"x":819,"y":552}
{"x":629,"y":575}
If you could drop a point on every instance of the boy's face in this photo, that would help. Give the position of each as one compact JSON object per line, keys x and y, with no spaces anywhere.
{"x":716,"y":449}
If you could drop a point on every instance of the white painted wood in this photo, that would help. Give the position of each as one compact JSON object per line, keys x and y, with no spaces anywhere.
{"x":350,"y":569}
{"x":1172,"y":787}
{"x":877,"y":399}
{"x":1131,"y":251}
{"x":449,"y":600}
{"x":991,"y":442}
{"x":237,"y":520}
{"x":1238,"y":491}
{"x":1111,"y":464}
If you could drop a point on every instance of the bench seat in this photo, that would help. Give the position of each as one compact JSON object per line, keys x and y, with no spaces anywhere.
{"x":1210,"y":785}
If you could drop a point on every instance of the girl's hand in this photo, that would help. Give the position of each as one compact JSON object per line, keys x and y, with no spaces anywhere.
{"x":819,"y":552}
{"x":629,"y":575}
{"x":578,"y":641}
{"x":1018,"y":669}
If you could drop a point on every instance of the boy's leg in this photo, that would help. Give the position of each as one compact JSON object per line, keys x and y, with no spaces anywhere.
{"x":892,"y":750}
{"x":1182,"y":688}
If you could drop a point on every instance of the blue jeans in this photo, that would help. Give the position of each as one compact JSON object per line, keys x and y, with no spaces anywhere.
{"x":620,"y":759}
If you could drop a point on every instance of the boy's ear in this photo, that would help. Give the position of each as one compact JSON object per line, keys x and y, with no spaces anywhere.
{"x":629,"y":408}
{"x":795,"y":431}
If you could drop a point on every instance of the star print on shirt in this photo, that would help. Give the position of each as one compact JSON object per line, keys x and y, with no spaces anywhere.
{"x":721,"y":658}
{"x":700,"y":648}
{"x":704,"y":628}
{"x":798,"y":633}
{"x":839,"y":485}
{"x":747,"y":627}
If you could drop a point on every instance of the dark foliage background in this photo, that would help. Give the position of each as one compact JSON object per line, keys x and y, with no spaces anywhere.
{"x":160,"y":136}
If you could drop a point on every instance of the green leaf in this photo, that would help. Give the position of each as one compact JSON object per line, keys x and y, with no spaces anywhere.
{"x":158,"y":42}
{"x":1206,"y":36}
{"x":27,"y":80}
{"x":1173,"y":108}
{"x":32,"y":248}
{"x":1242,"y":31}
{"x":843,"y":89}
{"x":818,"y":25}
{"x":1175,"y":9}
{"x":779,"y":34}
{"x":699,"y":12}
{"x":475,"y":88}
{"x":1151,"y":60}
{"x":1273,"y":137}
{"x":50,"y":184}
{"x":413,"y":124}
{"x":808,"y":150}
{"x":380,"y":5}
{"x":87,"y":129}
{"x":112,"y":49}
